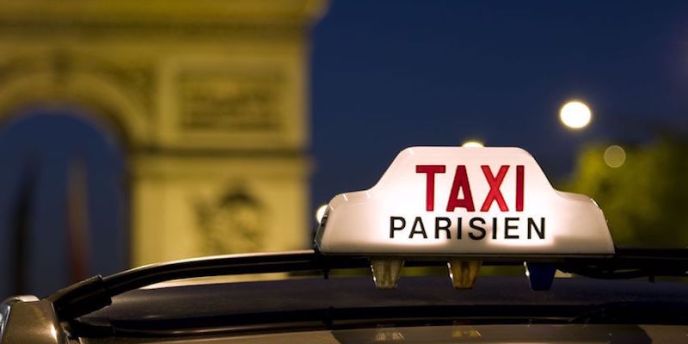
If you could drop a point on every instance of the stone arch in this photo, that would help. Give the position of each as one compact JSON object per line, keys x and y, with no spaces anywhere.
{"x":108,"y":103}
{"x":103,"y":101}
{"x":162,"y":78}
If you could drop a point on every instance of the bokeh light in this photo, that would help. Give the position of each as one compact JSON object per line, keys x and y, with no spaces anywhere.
{"x":614,"y":156}
{"x":575,"y":114}
{"x":473,"y":144}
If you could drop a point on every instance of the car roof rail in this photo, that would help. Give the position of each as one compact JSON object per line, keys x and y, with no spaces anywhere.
{"x":96,"y":292}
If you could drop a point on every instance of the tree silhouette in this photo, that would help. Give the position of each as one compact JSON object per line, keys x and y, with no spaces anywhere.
{"x":646,"y":199}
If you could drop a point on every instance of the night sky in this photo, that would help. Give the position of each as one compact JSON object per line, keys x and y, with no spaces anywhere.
{"x":392,"y":74}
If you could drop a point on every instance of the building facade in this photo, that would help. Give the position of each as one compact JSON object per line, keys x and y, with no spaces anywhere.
{"x":208,"y":99}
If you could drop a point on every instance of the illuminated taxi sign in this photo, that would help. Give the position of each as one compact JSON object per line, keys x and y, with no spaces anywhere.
{"x":454,"y":201}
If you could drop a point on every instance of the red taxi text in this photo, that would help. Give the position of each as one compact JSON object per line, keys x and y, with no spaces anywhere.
{"x":460,"y":197}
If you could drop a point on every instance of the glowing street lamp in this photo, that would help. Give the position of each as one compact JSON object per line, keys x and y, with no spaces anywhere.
{"x":473,"y":143}
{"x":575,"y":114}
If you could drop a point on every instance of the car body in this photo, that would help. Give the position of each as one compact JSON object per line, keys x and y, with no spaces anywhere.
{"x":607,"y":294}
{"x":335,"y":307}
{"x":421,"y":310}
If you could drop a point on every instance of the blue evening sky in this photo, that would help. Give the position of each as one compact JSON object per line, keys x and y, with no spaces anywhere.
{"x":392,"y":74}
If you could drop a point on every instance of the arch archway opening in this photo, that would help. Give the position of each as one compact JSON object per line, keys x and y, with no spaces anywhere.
{"x":65,"y":212}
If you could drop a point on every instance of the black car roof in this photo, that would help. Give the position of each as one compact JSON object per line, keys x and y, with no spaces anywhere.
{"x":356,"y":297}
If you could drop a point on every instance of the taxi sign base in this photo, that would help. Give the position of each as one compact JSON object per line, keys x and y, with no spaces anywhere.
{"x":386,"y":272}
{"x":540,"y":275}
{"x":463,"y":273}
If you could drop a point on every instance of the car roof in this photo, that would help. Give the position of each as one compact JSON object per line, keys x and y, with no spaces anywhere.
{"x":352,"y":297}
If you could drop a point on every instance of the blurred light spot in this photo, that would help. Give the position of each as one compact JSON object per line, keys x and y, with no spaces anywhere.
{"x":389,"y":336}
{"x":320,"y":213}
{"x":575,"y":114}
{"x":53,"y":332}
{"x":465,"y":333}
{"x":473,"y":144}
{"x":614,"y":156}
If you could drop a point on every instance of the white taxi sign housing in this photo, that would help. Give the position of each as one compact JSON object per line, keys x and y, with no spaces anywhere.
{"x":458,"y":201}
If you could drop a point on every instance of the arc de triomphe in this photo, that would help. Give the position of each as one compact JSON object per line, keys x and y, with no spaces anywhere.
{"x":209,"y":98}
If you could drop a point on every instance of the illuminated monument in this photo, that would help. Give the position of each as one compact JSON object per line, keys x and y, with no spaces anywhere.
{"x":209,"y":98}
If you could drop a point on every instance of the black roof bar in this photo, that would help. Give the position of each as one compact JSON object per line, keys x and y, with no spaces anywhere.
{"x":96,"y":292}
